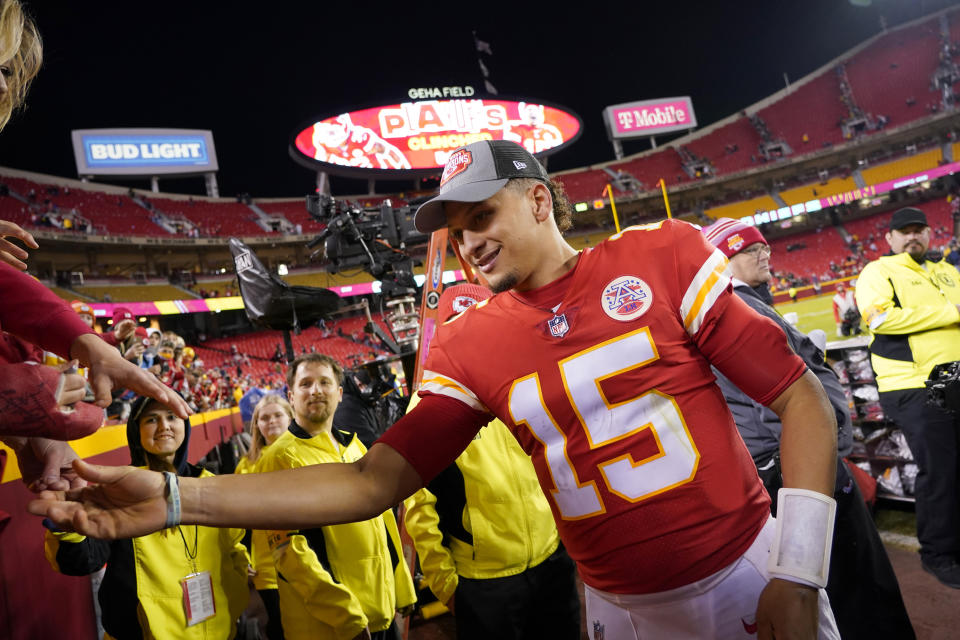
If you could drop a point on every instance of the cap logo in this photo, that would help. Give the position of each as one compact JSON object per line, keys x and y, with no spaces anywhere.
{"x":735,"y":242}
{"x":626,"y":298}
{"x":519,"y":165}
{"x":457,"y":163}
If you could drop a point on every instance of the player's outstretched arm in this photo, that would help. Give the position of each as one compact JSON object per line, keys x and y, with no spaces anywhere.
{"x":808,"y":451}
{"x":128,"y":502}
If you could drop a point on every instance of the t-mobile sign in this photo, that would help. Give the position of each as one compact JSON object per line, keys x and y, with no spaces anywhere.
{"x":649,"y":117}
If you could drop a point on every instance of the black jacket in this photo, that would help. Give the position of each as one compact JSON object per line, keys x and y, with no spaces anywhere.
{"x":759,"y":426}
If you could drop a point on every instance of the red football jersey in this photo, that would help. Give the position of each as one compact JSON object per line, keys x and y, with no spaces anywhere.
{"x":604,"y":378}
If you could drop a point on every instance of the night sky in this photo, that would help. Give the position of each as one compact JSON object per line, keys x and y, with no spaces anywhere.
{"x":252,"y":73}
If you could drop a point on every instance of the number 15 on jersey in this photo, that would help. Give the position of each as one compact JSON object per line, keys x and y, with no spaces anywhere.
{"x":604,"y":423}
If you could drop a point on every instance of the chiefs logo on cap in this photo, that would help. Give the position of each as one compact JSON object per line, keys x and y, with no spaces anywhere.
{"x":734,"y":242}
{"x":457,"y":163}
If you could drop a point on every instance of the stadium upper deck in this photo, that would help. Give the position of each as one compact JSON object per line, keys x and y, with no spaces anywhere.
{"x":876,"y":91}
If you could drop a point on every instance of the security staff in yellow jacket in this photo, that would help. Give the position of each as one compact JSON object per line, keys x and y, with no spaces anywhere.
{"x":342,"y":581}
{"x":486,"y":538}
{"x":182,"y":582}
{"x":911,"y":305}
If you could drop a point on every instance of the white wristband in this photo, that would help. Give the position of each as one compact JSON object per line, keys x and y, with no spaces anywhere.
{"x":173,"y":499}
{"x":804,"y":537}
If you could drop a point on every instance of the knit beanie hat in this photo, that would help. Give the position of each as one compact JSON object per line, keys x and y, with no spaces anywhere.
{"x":460,"y":297}
{"x":732,"y":236}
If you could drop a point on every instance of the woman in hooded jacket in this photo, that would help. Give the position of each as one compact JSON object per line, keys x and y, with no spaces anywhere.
{"x":181,"y":582}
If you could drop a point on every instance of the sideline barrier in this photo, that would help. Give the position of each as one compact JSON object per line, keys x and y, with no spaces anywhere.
{"x":112,"y":439}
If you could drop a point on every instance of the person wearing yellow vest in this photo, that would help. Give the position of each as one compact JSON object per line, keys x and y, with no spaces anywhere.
{"x":185,"y":581}
{"x":485,"y":535}
{"x":911,"y":306}
{"x":270,"y":419}
{"x":340,"y":581}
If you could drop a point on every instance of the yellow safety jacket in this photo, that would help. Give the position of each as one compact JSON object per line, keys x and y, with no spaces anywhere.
{"x":911,"y":310}
{"x":141,"y":594}
{"x":335,"y":581}
{"x":483,"y":517}
{"x":261,"y":557}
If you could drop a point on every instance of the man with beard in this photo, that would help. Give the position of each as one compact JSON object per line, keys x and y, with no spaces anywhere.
{"x":345,"y":580}
{"x":911,"y":305}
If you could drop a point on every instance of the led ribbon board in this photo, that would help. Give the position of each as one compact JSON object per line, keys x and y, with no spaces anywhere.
{"x":415,"y":138}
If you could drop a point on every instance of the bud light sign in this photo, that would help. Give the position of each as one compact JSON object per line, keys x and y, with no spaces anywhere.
{"x":143,"y":151}
{"x":649,"y":117}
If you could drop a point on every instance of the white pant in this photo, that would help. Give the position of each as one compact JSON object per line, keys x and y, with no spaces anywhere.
{"x":720,"y":606}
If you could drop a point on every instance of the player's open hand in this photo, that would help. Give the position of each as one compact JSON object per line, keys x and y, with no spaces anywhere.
{"x":11,"y":253}
{"x":108,"y":370}
{"x":123,"y":502}
{"x":787,"y":611}
{"x":45,"y":465}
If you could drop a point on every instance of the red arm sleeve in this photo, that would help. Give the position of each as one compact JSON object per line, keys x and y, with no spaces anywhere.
{"x":434,"y":433}
{"x":749,"y":349}
{"x":746,"y":347}
{"x":36,"y":314}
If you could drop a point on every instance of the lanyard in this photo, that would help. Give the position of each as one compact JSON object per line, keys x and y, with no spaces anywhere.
{"x":191,"y":555}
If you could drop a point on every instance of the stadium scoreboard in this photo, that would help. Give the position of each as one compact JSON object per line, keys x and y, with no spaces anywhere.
{"x":415,"y":138}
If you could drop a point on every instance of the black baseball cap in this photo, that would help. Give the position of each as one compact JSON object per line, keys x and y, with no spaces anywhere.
{"x":474,"y":173}
{"x":907,"y":216}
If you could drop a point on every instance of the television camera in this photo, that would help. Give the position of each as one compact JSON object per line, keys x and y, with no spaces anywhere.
{"x":374,"y":239}
{"x":379,"y":241}
{"x":943,"y":387}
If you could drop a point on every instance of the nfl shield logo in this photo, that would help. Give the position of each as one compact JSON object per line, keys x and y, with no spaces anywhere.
{"x":598,"y":630}
{"x":558,"y":325}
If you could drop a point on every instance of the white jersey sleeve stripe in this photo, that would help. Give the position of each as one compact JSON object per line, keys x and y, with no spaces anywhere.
{"x":441,"y":385}
{"x":704,"y":289}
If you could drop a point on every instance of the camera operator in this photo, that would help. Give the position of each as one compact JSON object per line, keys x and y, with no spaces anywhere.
{"x":845,"y":312}
{"x":911,"y":305}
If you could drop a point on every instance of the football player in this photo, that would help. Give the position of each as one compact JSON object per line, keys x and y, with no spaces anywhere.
{"x":599,"y":363}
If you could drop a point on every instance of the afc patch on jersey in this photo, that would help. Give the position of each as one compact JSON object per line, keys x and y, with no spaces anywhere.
{"x":626,"y":298}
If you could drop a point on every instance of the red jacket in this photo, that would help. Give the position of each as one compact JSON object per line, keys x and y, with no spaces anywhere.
{"x":34,"y":313}
{"x":32,"y":316}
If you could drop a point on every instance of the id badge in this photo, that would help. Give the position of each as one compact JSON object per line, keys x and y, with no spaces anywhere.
{"x":198,"y":597}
